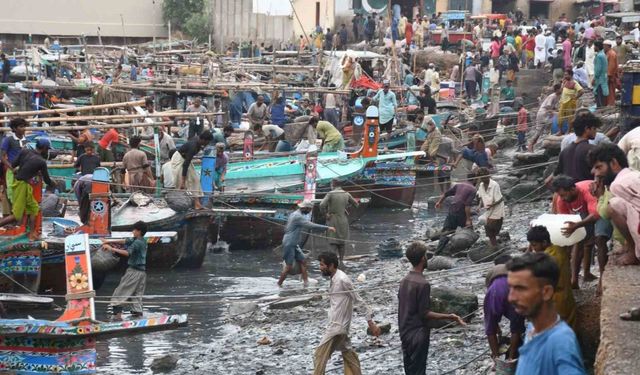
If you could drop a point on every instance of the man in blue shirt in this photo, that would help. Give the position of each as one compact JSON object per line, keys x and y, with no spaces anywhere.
{"x":550,"y":346}
{"x":476,"y":154}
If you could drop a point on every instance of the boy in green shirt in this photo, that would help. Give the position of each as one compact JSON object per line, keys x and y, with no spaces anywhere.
{"x":133,"y":282}
{"x":508,"y":92}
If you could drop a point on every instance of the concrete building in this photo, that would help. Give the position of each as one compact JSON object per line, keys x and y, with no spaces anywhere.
{"x":138,"y":20}
{"x":270,"y":21}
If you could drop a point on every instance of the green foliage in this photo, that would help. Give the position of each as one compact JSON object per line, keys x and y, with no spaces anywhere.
{"x":189,"y":16}
{"x":198,"y":26}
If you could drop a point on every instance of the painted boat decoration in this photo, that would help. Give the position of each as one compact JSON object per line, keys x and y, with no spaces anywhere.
{"x":68,"y":344}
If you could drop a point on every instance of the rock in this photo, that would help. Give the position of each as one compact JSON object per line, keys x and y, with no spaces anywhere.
{"x":529,"y":158}
{"x":525,"y":191}
{"x":242,"y":308}
{"x":506,"y":182}
{"x":460,"y":241}
{"x":552,"y":143}
{"x":288,"y":303}
{"x":452,"y":301}
{"x":279,"y":351}
{"x":483,"y":253}
{"x":264,"y":341}
{"x":390,"y":248}
{"x":440,"y":263}
{"x":384,"y":328}
{"x":166,"y":363}
{"x":505,"y":141}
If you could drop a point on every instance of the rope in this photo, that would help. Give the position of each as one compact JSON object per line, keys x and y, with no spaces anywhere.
{"x":396,"y":347}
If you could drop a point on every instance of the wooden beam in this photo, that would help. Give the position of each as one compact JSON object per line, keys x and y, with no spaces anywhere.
{"x":115,"y":117}
{"x":75,"y":109}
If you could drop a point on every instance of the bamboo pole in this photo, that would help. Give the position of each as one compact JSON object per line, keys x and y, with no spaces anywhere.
{"x":75,"y":109}
{"x":94,"y":126}
{"x":116,"y":117}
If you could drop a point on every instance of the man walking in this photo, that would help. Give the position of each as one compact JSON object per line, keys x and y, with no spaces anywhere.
{"x":492,"y":200}
{"x":297,"y":222}
{"x":414,"y":312}
{"x":550,"y":346}
{"x":335,"y":205}
{"x":341,"y":298}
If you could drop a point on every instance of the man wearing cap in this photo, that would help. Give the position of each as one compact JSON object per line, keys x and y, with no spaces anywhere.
{"x":28,"y":165}
{"x":612,"y":72}
{"x":297,"y":222}
{"x":387,"y":105}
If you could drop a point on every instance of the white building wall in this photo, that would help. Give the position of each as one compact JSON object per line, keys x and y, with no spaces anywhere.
{"x":142,"y":18}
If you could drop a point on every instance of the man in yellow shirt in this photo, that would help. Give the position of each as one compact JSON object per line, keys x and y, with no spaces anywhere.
{"x":540,"y":241}
{"x":331,"y":138}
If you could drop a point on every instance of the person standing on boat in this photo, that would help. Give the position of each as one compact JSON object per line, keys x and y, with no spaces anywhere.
{"x":222,"y":159}
{"x":166,"y":145}
{"x":335,"y":205}
{"x":138,"y":169}
{"x":331,"y":138}
{"x":195,"y":124}
{"x":80,"y":138}
{"x":387,"y":105}
{"x":106,"y":143}
{"x":297,"y":222}
{"x":11,"y":147}
{"x":134,"y":281}
{"x":88,"y":161}
{"x":257,"y":113}
{"x":184,"y":173}
{"x":28,"y":165}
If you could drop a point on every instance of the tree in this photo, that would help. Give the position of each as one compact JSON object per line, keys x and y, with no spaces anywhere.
{"x":189,"y":16}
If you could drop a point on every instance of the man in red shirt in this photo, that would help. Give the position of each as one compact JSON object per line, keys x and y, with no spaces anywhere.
{"x":576,"y":199}
{"x":105,"y":145}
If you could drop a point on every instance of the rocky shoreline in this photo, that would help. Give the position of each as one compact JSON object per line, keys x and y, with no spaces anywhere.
{"x":289,"y":336}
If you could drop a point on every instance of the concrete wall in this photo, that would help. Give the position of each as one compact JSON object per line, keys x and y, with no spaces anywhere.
{"x":142,"y":18}
{"x":306,"y":10}
{"x":234,"y":20}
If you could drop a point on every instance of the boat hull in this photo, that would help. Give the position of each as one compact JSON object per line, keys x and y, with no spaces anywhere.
{"x":190,"y":248}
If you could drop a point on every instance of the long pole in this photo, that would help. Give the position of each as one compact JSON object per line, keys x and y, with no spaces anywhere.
{"x":115,"y":117}
{"x":300,"y":23}
{"x":75,"y":109}
{"x":82,"y":127}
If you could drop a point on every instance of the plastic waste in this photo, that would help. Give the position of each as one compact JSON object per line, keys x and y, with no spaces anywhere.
{"x":555,"y":224}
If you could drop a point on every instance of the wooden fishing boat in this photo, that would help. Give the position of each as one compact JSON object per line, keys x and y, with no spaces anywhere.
{"x":191,"y":227}
{"x":258,"y":221}
{"x":68,"y":345}
{"x":38,"y":266}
